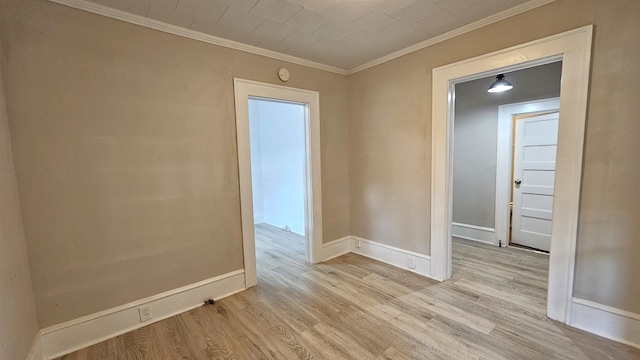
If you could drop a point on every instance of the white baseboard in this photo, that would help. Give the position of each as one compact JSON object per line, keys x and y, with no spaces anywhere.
{"x":615,"y":324}
{"x":76,"y":334}
{"x":55,"y":341}
{"x":336,"y":248}
{"x":36,"y":352}
{"x":392,"y":255}
{"x":473,"y":232}
{"x":378,"y":251}
{"x":258,"y":218}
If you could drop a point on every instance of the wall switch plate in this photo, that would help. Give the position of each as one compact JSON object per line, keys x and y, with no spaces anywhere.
{"x":145,"y":313}
{"x":412,"y":262}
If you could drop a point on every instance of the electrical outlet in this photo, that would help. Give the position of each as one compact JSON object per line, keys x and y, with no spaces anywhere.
{"x":358,"y":243}
{"x":412,"y":262}
{"x":145,"y":313}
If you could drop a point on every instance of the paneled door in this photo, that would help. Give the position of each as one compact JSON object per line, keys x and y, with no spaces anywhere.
{"x":535,"y":144}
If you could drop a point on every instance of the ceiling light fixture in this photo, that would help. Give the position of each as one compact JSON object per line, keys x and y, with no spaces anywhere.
{"x":500,"y":85}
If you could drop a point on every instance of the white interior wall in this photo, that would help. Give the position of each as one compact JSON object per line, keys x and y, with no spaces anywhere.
{"x":277,"y":163}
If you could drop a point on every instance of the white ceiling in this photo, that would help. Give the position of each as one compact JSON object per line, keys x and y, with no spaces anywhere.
{"x":340,"y":33}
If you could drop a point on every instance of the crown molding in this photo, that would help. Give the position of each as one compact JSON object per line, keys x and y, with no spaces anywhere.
{"x":196,"y":35}
{"x":530,"y":5}
{"x":192,"y":34}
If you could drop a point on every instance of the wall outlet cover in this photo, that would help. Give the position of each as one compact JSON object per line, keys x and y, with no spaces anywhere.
{"x":145,"y":313}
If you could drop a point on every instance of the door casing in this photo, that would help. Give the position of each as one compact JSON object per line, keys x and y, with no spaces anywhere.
{"x":574,"y":49}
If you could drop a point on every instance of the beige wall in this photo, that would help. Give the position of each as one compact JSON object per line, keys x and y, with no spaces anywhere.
{"x":18,"y":321}
{"x":389,"y":137}
{"x":124,"y":148}
{"x":476,"y":136}
{"x":609,"y":231}
{"x":125,"y":152}
{"x":390,"y":124}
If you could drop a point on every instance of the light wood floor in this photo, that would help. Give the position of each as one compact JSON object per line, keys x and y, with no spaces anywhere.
{"x":357,"y":308}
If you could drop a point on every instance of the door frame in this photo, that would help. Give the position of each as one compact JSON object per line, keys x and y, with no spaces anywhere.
{"x":574,"y":49}
{"x":504,"y":158}
{"x":243,"y":90}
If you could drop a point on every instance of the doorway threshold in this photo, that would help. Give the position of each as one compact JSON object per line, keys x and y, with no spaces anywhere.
{"x":527,"y":248}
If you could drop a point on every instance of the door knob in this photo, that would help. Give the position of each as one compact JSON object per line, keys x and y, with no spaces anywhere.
{"x":518,"y":182}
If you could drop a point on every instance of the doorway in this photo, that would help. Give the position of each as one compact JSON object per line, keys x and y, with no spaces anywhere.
{"x":299,"y":101}
{"x":482,"y":148}
{"x":278,"y":155}
{"x":277,"y":147}
{"x":480,"y":153}
{"x":574,"y":49}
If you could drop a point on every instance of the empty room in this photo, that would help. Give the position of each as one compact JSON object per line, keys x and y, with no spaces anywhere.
{"x":330,"y":179}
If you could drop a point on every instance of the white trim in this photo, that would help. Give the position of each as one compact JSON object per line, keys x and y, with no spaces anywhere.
{"x":313,"y":197}
{"x":36,"y":352}
{"x":574,"y":48}
{"x":504,"y":158}
{"x":392,"y":255}
{"x":192,"y":34}
{"x":530,"y":5}
{"x":473,"y":232}
{"x":609,"y":322}
{"x":258,"y":218}
{"x":381,"y":252}
{"x":336,"y":248}
{"x":80,"y":333}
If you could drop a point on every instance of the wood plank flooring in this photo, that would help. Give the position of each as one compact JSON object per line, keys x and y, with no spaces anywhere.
{"x":353,"y":307}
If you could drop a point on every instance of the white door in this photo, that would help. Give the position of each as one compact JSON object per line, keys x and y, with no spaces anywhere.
{"x":536,"y":140}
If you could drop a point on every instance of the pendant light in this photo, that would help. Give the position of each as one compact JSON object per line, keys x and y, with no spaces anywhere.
{"x":500,"y":85}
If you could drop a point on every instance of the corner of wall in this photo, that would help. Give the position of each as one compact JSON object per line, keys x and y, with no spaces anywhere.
{"x":18,"y":315}
{"x":36,"y":352}
{"x":404,"y":259}
{"x":611,"y":323}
